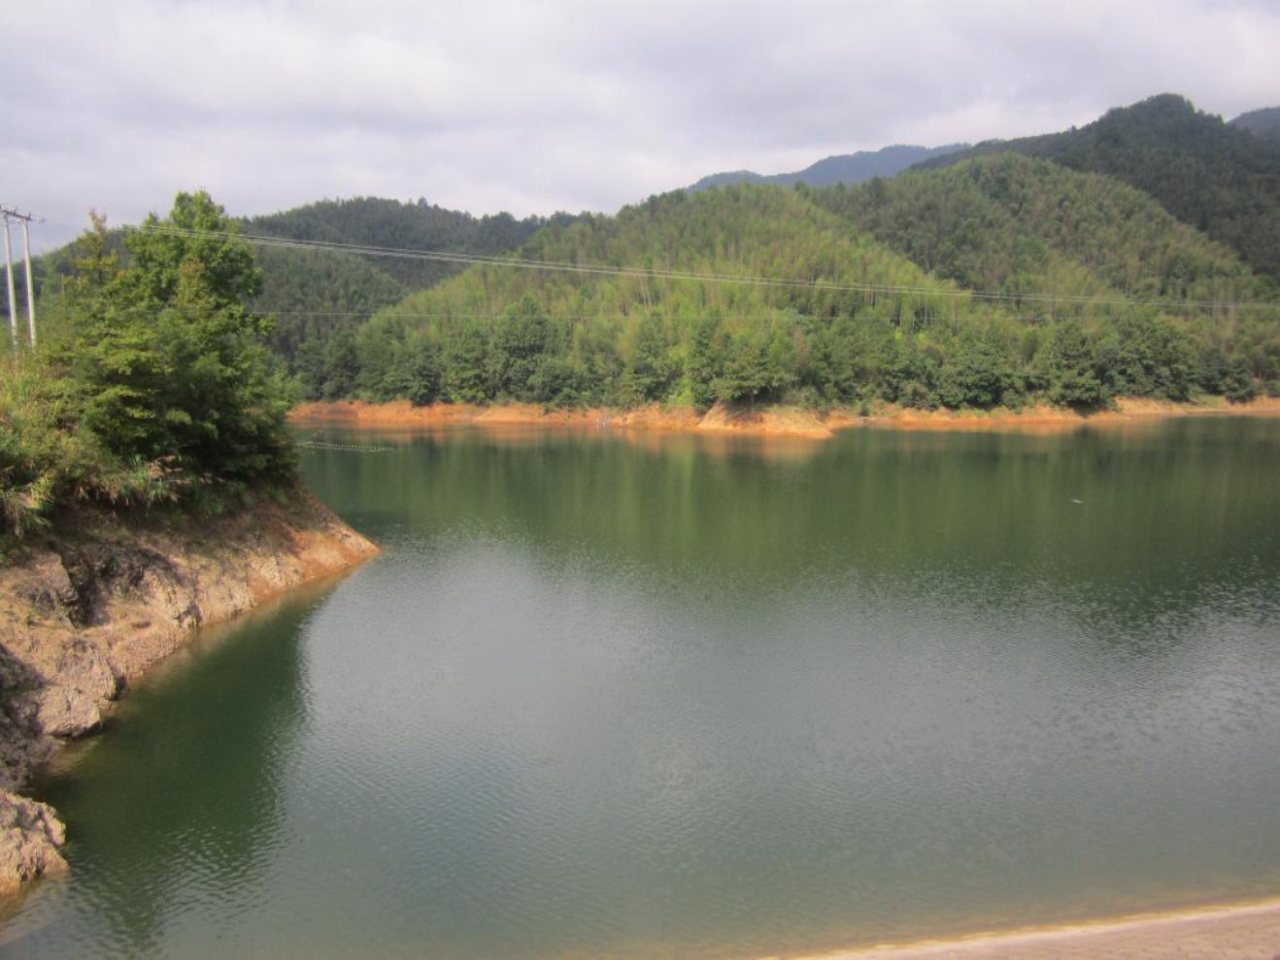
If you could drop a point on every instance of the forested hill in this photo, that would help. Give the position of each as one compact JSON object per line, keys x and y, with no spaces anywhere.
{"x":1263,"y":124}
{"x":678,"y":303}
{"x":1016,"y":224}
{"x":314,"y":294}
{"x":1216,"y":177}
{"x":564,"y":337}
{"x":846,"y":168}
{"x":381,"y":222}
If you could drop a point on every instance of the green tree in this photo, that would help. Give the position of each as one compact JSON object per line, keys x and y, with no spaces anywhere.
{"x":651,"y":372}
{"x":706,"y":361}
{"x":166,"y":360}
{"x":466,"y":365}
{"x":1069,"y":364}
{"x":760,"y":364}
{"x":521,"y":340}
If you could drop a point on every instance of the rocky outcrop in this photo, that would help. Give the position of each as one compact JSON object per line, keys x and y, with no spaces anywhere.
{"x":31,"y":839}
{"x":84,"y":614}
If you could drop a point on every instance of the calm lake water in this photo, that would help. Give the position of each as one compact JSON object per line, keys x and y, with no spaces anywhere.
{"x":610,"y":696}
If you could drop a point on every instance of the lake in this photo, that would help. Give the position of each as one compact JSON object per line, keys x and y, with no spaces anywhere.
{"x":610,"y":695}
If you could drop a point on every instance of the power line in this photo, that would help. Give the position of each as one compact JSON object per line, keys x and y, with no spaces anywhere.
{"x":928,"y":316}
{"x":951,"y":292}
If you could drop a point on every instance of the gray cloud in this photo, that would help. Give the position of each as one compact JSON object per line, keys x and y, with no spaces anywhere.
{"x":536,"y":106}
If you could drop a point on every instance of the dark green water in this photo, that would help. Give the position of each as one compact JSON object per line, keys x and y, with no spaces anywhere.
{"x":668,"y":698}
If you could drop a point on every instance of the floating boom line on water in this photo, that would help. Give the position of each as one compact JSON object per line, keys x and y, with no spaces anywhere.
{"x":642,"y":273}
{"x":345,"y":447}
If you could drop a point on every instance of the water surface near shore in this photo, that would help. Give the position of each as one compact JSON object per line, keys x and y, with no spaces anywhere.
{"x":663,"y":696}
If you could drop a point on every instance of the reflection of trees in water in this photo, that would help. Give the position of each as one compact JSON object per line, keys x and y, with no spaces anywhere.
{"x":1004,"y":592}
{"x":1126,"y":533}
{"x":1158,"y":508}
{"x":184,"y":792}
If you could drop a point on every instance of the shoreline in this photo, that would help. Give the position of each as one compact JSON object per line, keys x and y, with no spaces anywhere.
{"x":765,"y":421}
{"x":85,"y":613}
{"x":1239,"y":929}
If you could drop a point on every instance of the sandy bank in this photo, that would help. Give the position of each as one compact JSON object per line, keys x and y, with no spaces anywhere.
{"x":83,"y":615}
{"x":765,"y":421}
{"x":1234,"y":932}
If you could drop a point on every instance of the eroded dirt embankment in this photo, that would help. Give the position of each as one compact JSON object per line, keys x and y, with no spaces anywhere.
{"x":82,"y":615}
{"x":764,"y":420}
{"x":746,"y":420}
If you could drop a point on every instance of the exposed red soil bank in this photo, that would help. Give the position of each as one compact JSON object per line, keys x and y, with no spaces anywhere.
{"x":766,"y":421}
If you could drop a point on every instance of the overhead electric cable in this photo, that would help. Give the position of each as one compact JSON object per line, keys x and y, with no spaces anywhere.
{"x":444,"y":256}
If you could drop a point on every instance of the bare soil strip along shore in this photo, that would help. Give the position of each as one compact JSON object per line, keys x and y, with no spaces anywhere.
{"x":83,"y":616}
{"x":1236,"y":932}
{"x":766,"y":421}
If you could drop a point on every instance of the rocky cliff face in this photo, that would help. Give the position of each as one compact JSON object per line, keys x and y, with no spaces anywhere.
{"x":83,"y":615}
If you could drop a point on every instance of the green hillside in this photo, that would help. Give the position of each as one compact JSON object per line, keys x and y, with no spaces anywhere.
{"x":564,"y":337}
{"x":1263,"y":124}
{"x":380,"y":222}
{"x":864,"y":320}
{"x":1020,"y":225}
{"x":1218,"y":178}
{"x":316,"y":295}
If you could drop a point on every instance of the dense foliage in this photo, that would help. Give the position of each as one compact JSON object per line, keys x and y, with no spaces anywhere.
{"x":154,"y":381}
{"x":1263,"y":124}
{"x":1018,"y":225}
{"x":1025,"y":228}
{"x":319,"y":298}
{"x":1216,"y":177}
{"x":862,"y":323}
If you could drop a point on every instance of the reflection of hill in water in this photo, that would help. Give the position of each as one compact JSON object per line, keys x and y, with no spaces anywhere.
{"x":1162,"y":507}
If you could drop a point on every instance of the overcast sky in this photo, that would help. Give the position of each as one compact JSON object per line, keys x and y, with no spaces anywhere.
{"x":534,"y":107}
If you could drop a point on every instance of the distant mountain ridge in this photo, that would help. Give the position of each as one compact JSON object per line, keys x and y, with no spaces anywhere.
{"x":849,"y":168}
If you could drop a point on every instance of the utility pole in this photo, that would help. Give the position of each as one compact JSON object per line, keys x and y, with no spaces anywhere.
{"x":31,"y":291}
{"x":26,"y":219}
{"x":8,"y":264}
